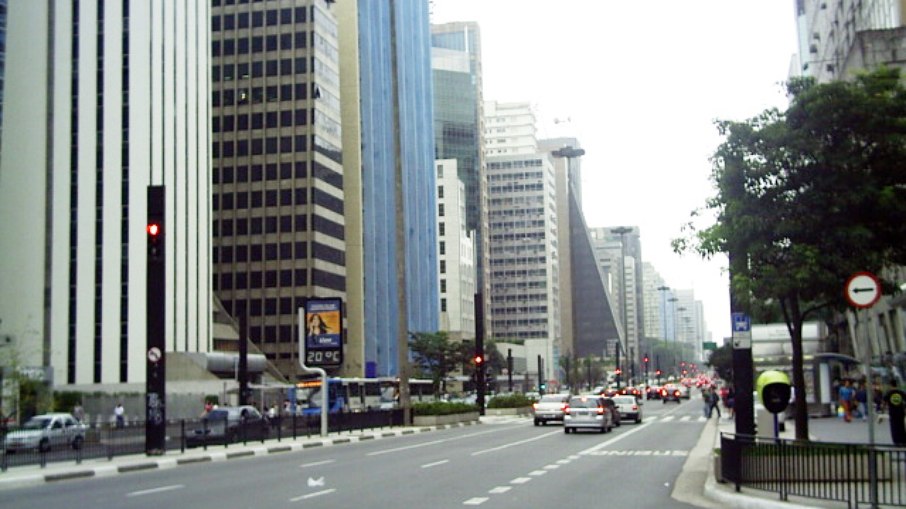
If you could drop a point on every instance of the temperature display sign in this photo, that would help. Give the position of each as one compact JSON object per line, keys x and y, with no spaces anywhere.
{"x":324,"y":332}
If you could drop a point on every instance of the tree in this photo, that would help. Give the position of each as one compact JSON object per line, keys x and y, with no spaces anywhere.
{"x":721,"y":361}
{"x":809,"y":196}
{"x":436,"y":356}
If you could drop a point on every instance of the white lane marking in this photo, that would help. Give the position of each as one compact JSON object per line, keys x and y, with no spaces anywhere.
{"x":156,"y":490}
{"x":685,"y":418}
{"x":432,"y":442}
{"x":520,"y":480}
{"x":551,"y":467}
{"x":475,"y":501}
{"x":615,"y":439}
{"x":429,"y":465}
{"x":667,"y":418}
{"x":536,"y":473}
{"x":316,"y":463}
{"x":563,"y":462}
{"x":500,"y":489}
{"x":312,"y":495}
{"x":513,"y":444}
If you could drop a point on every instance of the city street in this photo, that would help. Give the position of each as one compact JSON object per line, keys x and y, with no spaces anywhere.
{"x":506,"y":462}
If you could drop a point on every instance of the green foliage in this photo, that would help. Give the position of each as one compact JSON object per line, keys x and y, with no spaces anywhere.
{"x":722,"y":362}
{"x":807,"y":197}
{"x":435,"y":356}
{"x":442,"y":408}
{"x":65,"y":401}
{"x":510,"y":401}
{"x":213,"y":399}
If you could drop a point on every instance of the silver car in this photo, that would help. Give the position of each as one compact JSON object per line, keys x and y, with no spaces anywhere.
{"x":588,"y":412}
{"x":629,"y":407}
{"x":550,"y":408}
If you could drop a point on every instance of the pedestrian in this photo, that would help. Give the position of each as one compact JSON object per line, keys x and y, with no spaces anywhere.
{"x":706,"y":403}
{"x":120,"y":413}
{"x":713,"y":400}
{"x":862,"y":401}
{"x":78,"y":412}
{"x":845,"y":396}
{"x":896,"y":411}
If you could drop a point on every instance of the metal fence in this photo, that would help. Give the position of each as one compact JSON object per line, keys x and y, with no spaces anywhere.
{"x":851,"y":473}
{"x":108,"y":441}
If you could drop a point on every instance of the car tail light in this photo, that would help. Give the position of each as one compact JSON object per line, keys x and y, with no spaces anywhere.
{"x":635,"y":407}
{"x":663,"y":392}
{"x":600,"y":410}
{"x":535,"y":406}
{"x":676,"y":393}
{"x":565,"y":409}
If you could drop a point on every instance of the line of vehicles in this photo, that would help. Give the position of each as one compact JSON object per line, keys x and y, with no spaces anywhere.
{"x":587,"y":411}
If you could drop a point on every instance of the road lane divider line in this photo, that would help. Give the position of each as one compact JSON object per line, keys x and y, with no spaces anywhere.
{"x":513,"y":444}
{"x":475,"y":501}
{"x":313,"y":495}
{"x":153,"y":491}
{"x":316,"y":463}
{"x":500,"y":489}
{"x":621,"y":436}
{"x":536,"y":473}
{"x":520,"y":480}
{"x":436,"y":463}
{"x":432,"y":442}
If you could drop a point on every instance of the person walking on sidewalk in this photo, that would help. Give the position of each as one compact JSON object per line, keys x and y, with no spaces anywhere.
{"x":846,"y":396}
{"x":713,"y":403}
{"x":862,"y":401}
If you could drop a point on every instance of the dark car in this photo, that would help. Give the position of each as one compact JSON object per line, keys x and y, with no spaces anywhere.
{"x":614,"y":409}
{"x":671,"y":392}
{"x":226,"y":425}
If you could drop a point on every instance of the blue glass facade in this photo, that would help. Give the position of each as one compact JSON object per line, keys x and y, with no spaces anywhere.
{"x":416,"y":151}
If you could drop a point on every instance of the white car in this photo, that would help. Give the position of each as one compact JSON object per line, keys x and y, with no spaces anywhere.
{"x":629,"y":407}
{"x":42,"y":432}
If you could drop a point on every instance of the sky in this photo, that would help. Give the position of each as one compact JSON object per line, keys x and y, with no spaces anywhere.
{"x":640,"y":84}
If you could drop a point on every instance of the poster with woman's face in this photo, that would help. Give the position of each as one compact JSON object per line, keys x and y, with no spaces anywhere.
{"x":323,"y":323}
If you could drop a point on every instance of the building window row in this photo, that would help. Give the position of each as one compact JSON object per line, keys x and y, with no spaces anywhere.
{"x":271,"y":145}
{"x":258,"y":95}
{"x":270,"y":68}
{"x":260,"y":44}
{"x":259,"y":173}
{"x":258,"y":279}
{"x":256,"y":121}
{"x":259,"y":252}
{"x":259,"y":225}
{"x":256,"y":19}
{"x":258,"y":198}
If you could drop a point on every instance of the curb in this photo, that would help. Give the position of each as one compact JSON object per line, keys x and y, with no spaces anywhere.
{"x":12,"y":479}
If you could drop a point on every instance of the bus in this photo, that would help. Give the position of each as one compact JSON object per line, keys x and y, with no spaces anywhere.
{"x":357,"y":394}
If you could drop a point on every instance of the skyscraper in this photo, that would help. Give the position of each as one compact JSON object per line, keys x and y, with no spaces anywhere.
{"x":278,"y":179}
{"x":397,"y":140}
{"x":107,"y":97}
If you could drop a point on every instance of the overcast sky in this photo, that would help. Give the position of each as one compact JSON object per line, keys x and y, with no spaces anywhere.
{"x":640,"y":83}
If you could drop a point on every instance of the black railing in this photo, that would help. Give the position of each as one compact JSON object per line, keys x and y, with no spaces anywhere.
{"x":842,"y":472}
{"x":108,"y":440}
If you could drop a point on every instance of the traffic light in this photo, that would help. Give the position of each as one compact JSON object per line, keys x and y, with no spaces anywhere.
{"x":658,"y":372}
{"x":155,"y":231}
{"x":478,"y":359}
{"x":618,"y":371}
{"x":645,"y":359}
{"x":543,"y":386}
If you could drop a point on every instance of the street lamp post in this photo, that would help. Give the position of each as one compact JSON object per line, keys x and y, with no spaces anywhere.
{"x":622,"y":231}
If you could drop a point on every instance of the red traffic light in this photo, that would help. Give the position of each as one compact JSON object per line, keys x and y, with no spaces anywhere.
{"x":154,"y":229}
{"x":618,"y":371}
{"x":478,"y":359}
{"x":646,"y":360}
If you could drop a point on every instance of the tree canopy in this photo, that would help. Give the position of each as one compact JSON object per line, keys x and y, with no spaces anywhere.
{"x":808,"y":196}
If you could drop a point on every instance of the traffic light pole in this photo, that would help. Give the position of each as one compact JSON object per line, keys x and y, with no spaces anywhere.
{"x":480,"y":363}
{"x":155,"y":330}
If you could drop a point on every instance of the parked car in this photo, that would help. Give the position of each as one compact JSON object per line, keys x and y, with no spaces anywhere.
{"x":587,"y":412}
{"x":43,"y":432}
{"x":550,"y":408}
{"x":629,"y":408}
{"x":225,"y":425}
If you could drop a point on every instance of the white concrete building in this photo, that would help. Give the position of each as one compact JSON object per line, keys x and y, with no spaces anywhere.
{"x":456,"y":254}
{"x":509,"y":129}
{"x":103,"y":99}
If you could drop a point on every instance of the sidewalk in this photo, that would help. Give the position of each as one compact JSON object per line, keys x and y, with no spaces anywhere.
{"x":829,"y":429}
{"x":16,"y":477}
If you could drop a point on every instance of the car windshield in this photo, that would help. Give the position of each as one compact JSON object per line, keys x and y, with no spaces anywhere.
{"x":37,"y":423}
{"x":624,"y":399}
{"x":583,"y":403}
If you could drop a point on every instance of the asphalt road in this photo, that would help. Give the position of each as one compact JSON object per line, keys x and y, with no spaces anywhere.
{"x":505,"y":464}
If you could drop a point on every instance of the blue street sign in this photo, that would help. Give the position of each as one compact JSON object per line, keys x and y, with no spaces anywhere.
{"x":741,"y":323}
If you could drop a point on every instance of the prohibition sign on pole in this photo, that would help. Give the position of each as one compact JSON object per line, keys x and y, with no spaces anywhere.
{"x":863,"y":289}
